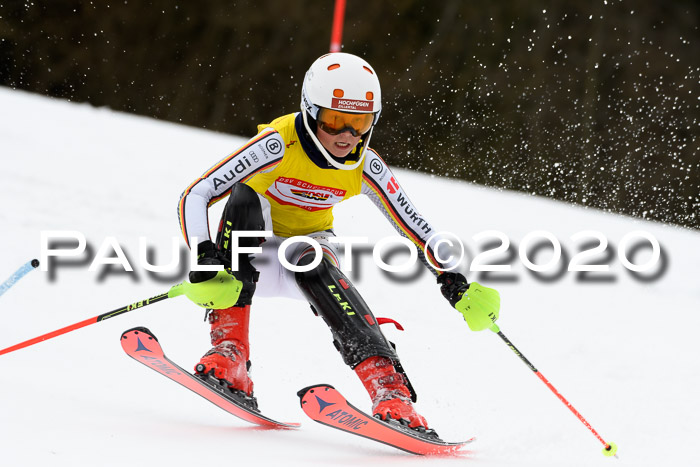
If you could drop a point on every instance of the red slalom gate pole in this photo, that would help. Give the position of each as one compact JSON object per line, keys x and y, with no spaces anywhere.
{"x":173,"y":292}
{"x":337,"y":32}
{"x":609,"y":449}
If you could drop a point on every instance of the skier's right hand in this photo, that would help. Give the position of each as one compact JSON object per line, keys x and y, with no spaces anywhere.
{"x":208,"y":255}
{"x":220,"y":292}
{"x":212,"y":289}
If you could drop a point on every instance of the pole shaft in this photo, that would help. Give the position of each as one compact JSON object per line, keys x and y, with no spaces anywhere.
{"x":18,"y":274}
{"x":82,"y":324}
{"x":552,"y":388}
{"x":337,"y":32}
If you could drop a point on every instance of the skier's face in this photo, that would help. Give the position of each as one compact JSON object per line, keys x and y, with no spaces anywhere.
{"x":339,"y":145}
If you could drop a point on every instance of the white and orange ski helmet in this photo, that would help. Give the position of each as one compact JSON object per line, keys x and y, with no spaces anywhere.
{"x":342,"y":82}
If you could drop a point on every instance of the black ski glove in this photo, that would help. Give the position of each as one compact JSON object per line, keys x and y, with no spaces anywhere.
{"x":479,"y":305}
{"x":208,"y":255}
{"x":452,"y":285}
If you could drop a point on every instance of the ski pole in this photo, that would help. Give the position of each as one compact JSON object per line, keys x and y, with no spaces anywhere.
{"x":18,"y":274}
{"x":174,"y":291}
{"x":610,"y":449}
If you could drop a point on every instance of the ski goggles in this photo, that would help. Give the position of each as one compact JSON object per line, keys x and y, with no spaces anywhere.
{"x":334,"y":122}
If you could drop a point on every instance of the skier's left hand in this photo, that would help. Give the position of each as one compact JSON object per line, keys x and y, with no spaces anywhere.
{"x":478,"y":304}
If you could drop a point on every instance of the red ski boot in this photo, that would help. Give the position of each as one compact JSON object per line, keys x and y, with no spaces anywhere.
{"x":391,"y":399}
{"x":228,"y":361}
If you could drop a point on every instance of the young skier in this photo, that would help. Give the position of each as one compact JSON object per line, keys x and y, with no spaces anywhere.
{"x":286,"y":180}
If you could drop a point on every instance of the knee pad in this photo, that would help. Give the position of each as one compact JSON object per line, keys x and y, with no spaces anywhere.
{"x":356,"y":333}
{"x":242,"y":212}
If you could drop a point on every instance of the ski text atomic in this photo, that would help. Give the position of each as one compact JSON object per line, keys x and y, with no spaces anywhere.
{"x":340,"y":417}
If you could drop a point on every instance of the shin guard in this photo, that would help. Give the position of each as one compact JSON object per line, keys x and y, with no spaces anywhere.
{"x":243,"y":212}
{"x":356,"y":333}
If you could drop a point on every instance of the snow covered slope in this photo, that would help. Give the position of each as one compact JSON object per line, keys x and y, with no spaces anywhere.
{"x":621,"y":349}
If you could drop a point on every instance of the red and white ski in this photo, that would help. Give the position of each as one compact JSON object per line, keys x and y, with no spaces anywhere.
{"x":141,"y":345}
{"x":324,"y":404}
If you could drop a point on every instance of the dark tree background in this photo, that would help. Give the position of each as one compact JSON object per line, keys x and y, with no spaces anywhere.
{"x":592,"y":102}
